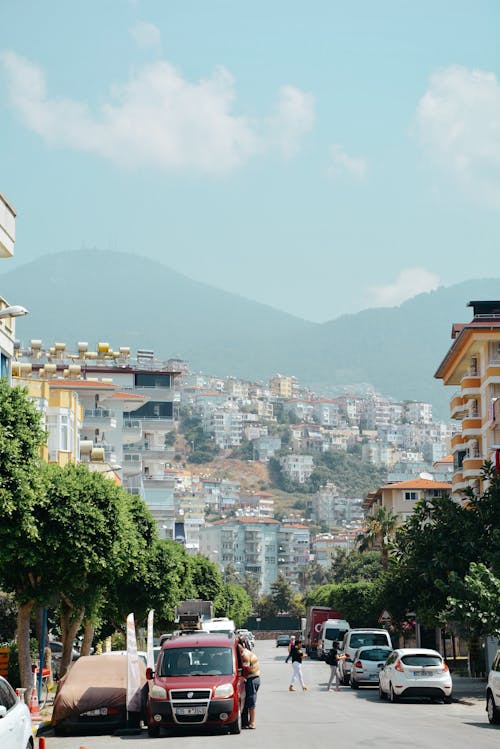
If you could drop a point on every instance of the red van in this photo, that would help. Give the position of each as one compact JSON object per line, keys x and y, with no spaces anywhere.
{"x":197,"y":681}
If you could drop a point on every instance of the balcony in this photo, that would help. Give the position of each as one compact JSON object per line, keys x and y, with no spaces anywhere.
{"x":471,"y":467}
{"x":471,"y":426}
{"x":132,"y":464}
{"x":101,"y":418}
{"x":470,"y":386}
{"x":156,"y":424}
{"x":457,"y":406}
{"x":493,"y":372}
{"x":132,"y":431}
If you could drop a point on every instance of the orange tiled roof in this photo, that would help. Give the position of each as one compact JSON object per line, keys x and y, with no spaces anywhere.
{"x":418,"y":484}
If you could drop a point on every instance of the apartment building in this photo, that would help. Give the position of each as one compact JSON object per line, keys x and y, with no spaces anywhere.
{"x":248,"y":543}
{"x":225,"y":423}
{"x":293,"y":551}
{"x":8,"y":313}
{"x":297,"y":467}
{"x":128,"y":411}
{"x":283,"y":386}
{"x":472,"y":366}
{"x":400,"y":497}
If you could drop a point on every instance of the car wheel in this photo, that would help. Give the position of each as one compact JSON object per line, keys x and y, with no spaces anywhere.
{"x":448,"y":699}
{"x":154,"y":732}
{"x":382,"y":695}
{"x":235,"y":726}
{"x":492,"y":711}
{"x":353,"y":684}
{"x":345,"y":680}
{"x":392,"y":696}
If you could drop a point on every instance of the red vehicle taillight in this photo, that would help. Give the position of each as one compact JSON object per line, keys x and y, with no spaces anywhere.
{"x":358,"y":664}
{"x":399,"y":666}
{"x":445,"y":666}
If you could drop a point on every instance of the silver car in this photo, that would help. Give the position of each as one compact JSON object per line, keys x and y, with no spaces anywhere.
{"x":367,"y":663}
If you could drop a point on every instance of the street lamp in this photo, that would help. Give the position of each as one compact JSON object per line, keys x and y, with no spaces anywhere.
{"x":15,"y":311}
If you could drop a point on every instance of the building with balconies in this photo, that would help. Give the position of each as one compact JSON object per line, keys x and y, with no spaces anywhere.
{"x":7,"y":323}
{"x":128,"y":411}
{"x":401,"y":497}
{"x":472,"y":366}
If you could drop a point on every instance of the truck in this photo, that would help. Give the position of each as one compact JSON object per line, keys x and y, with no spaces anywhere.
{"x":315,"y":616}
{"x":191,"y":614}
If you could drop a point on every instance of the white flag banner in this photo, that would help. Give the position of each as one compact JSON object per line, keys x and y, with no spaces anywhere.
{"x":133,"y":672}
{"x":150,"y":658}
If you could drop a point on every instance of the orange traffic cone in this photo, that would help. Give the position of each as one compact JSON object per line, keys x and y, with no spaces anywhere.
{"x":35,"y":707}
{"x":41,"y":742}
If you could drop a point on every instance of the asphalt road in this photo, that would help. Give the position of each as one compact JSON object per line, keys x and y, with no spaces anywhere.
{"x":318,"y":719}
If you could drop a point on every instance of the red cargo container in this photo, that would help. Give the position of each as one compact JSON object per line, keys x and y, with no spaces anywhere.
{"x":315,"y":616}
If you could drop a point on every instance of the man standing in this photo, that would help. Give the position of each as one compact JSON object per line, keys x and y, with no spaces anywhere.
{"x":251,"y":672}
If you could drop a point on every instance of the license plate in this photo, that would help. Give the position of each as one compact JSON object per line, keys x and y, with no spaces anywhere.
{"x":189,"y":710}
{"x":423,"y":674}
{"x":373,"y":677}
{"x":95,"y":713}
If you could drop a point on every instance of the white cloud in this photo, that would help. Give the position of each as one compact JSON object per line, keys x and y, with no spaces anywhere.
{"x":146,"y":35}
{"x":341,"y":163}
{"x":158,"y":118}
{"x":458,"y":124}
{"x":409,"y":283}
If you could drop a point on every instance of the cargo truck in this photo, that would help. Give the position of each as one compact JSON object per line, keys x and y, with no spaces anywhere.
{"x":315,"y":616}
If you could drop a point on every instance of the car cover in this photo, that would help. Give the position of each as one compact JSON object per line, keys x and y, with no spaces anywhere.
{"x":92,"y":682}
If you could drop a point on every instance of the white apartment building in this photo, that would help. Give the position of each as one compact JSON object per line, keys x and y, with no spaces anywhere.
{"x":225,"y":423}
{"x":418,"y":412}
{"x":7,"y":321}
{"x":128,"y":412}
{"x":297,"y":467}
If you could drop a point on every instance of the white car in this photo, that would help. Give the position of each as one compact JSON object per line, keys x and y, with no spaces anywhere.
{"x":415,"y":672}
{"x":15,"y":719}
{"x":493,"y":691}
{"x":367,"y":663}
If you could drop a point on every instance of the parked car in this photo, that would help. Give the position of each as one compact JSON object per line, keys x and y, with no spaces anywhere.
{"x":92,"y":696}
{"x":197,"y":682}
{"x":332,"y":631}
{"x":141,"y":653}
{"x":493,"y":691}
{"x":415,"y":672}
{"x":15,"y":719}
{"x":367,"y":663}
{"x":282,"y":641}
{"x":358,"y":638}
{"x":56,"y":650}
{"x":247,"y":635}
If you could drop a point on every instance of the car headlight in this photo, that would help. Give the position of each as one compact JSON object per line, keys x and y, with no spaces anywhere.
{"x":158,"y":693}
{"x":224,"y":690}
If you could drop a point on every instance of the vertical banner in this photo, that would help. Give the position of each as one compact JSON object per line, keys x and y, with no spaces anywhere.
{"x":150,"y":658}
{"x":133,"y":673}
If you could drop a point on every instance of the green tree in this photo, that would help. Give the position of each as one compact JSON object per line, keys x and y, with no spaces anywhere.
{"x":21,"y":494}
{"x":281,"y":594}
{"x":475,"y":605}
{"x":206,"y":578}
{"x":355,"y":566}
{"x":234,"y":602}
{"x":380,"y":529}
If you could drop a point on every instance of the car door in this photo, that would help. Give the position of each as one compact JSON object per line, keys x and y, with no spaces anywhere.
{"x":13,"y":725}
{"x":385,"y":673}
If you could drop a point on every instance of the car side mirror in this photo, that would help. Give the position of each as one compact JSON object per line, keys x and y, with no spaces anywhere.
{"x":149,"y":673}
{"x":3,"y":711}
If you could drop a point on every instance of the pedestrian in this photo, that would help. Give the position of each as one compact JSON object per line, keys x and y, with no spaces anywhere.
{"x":333,"y":659}
{"x":297,"y":655}
{"x":290,"y":646}
{"x":251,"y":672}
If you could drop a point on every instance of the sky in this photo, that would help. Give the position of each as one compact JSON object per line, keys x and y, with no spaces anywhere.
{"x":321,"y":157}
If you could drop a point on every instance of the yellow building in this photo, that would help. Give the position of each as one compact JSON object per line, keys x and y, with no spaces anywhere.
{"x":282,"y":385}
{"x":62,"y":415}
{"x":472,"y":366}
{"x":401,"y":497}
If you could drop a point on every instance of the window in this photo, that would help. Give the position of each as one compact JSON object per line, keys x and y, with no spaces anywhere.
{"x":411,"y":495}
{"x":147,"y":380}
{"x":7,"y":696}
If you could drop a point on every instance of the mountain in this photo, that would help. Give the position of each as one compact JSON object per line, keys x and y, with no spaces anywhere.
{"x":133,"y":301}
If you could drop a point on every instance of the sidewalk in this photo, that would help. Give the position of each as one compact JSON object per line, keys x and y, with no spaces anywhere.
{"x":466,"y":688}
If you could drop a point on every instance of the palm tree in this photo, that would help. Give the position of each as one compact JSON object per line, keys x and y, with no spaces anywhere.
{"x":379,"y":531}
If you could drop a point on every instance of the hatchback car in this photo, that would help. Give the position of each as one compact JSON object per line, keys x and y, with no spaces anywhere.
{"x":358,"y":638}
{"x":282,"y":641}
{"x":15,"y":719}
{"x":493,"y":691}
{"x":415,"y":672}
{"x":197,"y":681}
{"x":367,"y":663}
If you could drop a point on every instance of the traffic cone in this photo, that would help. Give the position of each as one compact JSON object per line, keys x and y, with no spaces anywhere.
{"x":41,"y":742}
{"x":35,"y":707}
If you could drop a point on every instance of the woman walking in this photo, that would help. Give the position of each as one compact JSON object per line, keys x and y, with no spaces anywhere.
{"x":297,"y":655}
{"x":333,"y":661}
{"x":251,"y":672}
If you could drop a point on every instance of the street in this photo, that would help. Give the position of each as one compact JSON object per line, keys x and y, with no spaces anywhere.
{"x":317,"y":719}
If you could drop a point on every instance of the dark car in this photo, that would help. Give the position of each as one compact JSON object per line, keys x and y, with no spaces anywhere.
{"x":92,"y":696}
{"x":282,"y":641}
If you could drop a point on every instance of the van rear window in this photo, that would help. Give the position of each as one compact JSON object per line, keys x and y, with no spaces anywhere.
{"x":334,"y":634}
{"x":367,"y":638}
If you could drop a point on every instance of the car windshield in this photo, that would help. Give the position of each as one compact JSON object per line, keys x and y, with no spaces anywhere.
{"x":374,"y":654}
{"x":367,"y":638}
{"x":196,"y":661}
{"x":421,"y":659}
